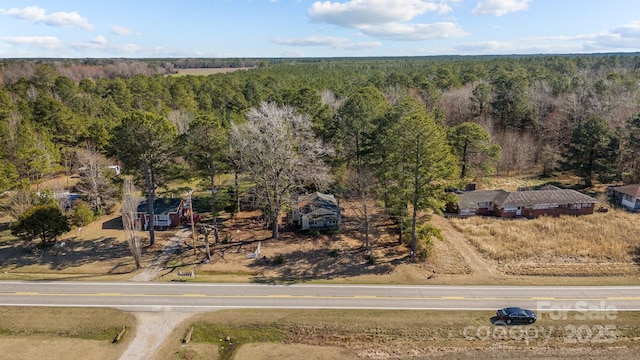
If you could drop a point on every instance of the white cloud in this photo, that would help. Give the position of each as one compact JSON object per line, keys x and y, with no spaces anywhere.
{"x":46,"y":42}
{"x":334,"y":42}
{"x":359,"y":45}
{"x":120,"y":30}
{"x":486,"y":47}
{"x":310,"y":41}
{"x":387,"y":19}
{"x":397,"y":31}
{"x":356,"y":13}
{"x":630,"y":31}
{"x":36,"y":14}
{"x":98,"y":40}
{"x":622,"y":38}
{"x":500,"y":7}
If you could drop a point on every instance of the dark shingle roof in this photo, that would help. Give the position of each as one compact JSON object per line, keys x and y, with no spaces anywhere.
{"x":471,"y":199}
{"x":542,"y":197}
{"x":501,"y":198}
{"x":161,"y":206}
{"x":311,"y":202}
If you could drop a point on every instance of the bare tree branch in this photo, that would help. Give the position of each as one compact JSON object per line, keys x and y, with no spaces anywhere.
{"x":278,"y":149}
{"x":130,"y":222}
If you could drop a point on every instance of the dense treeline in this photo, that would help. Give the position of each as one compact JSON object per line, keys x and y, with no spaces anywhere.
{"x":530,"y":105}
{"x":537,"y":114}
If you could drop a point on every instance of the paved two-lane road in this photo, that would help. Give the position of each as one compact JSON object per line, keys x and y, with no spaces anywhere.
{"x":196,"y":297}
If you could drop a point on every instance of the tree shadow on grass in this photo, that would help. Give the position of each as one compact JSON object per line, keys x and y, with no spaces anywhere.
{"x":301,"y":266}
{"x":113,"y":224}
{"x":74,"y":253}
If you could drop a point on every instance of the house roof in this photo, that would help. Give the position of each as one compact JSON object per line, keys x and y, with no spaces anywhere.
{"x":161,"y":206}
{"x":321,"y":213}
{"x":313,"y":202}
{"x":471,"y":199}
{"x":631,"y":190}
{"x":542,"y":197}
{"x":501,"y":198}
{"x":318,"y":196}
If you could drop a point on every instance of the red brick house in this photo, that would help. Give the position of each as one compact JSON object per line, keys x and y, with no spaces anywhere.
{"x":168,"y":213}
{"x":549,"y":201}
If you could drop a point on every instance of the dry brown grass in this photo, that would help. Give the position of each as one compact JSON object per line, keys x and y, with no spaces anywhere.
{"x":63,"y":333}
{"x":605,"y":243}
{"x":382,"y":334}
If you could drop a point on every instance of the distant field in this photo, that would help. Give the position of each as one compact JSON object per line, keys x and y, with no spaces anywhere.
{"x":209,"y":71}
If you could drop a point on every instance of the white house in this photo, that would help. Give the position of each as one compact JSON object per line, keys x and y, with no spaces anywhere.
{"x":316,"y":211}
{"x":628,"y":196}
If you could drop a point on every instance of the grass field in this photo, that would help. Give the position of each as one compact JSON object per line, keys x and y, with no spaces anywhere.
{"x":598,"y":244}
{"x":379,"y":334}
{"x":63,"y":333}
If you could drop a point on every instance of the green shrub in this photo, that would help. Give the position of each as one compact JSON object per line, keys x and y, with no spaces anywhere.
{"x":371,"y":260}
{"x":82,"y":214}
{"x":279,"y":259}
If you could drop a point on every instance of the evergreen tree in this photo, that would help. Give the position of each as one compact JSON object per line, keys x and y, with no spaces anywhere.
{"x":472,"y":145}
{"x":592,"y":151}
{"x":422,"y":161}
{"x":143,"y":143}
{"x":45,"y":222}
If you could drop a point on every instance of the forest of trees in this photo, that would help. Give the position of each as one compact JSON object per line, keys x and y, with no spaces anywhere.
{"x":403,"y":128}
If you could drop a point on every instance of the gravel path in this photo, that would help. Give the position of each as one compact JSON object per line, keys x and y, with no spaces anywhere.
{"x":151,"y":272}
{"x":153,"y":328}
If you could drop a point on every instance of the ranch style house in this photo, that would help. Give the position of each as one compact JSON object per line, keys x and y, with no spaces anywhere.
{"x":548,"y":201}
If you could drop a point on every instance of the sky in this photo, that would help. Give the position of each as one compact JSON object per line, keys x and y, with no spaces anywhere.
{"x":311,"y":28}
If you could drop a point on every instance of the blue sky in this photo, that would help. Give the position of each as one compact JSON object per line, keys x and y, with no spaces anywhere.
{"x":310,"y":28}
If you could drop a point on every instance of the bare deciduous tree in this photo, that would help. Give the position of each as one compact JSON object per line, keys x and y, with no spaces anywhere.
{"x":329,"y":98}
{"x":281,"y":154}
{"x":181,"y":120}
{"x":130,"y":223}
{"x":20,"y":201}
{"x":94,"y":182}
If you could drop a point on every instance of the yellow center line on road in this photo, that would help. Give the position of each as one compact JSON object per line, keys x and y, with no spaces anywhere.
{"x":386,"y":297}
